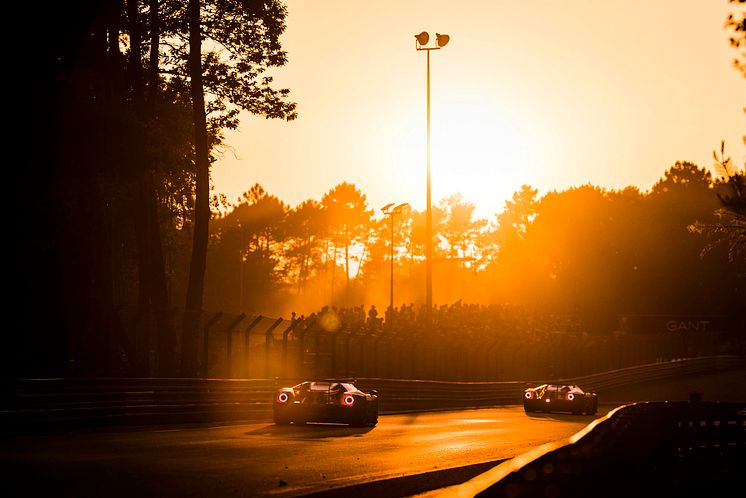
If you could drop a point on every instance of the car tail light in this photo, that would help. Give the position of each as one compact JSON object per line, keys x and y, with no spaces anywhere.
{"x":570,"y":396}
{"x":348,"y":400}
{"x":528,"y":395}
{"x":282,"y":397}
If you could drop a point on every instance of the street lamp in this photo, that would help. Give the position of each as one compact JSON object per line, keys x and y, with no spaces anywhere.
{"x":441,"y":40}
{"x":390,"y":210}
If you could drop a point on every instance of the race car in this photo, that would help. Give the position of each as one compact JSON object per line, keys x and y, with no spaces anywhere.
{"x":330,"y":401}
{"x":559,"y":398}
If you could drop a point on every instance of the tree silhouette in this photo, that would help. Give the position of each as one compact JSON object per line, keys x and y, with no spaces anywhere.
{"x":348,"y":219}
{"x":113,"y":155}
{"x":729,"y":229}
{"x":244,"y":40}
{"x":459,"y":230}
{"x":738,"y":39}
{"x":305,"y":228}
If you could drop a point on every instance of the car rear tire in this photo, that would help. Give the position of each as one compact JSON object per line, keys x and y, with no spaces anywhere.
{"x":366,"y":420}
{"x":281,"y":419}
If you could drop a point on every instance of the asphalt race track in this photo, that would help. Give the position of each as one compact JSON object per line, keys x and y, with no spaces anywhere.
{"x":262,"y":459}
{"x":404,"y":455}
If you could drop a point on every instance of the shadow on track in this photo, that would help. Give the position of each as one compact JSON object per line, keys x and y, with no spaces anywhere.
{"x":563,"y":417}
{"x":310,"y":431}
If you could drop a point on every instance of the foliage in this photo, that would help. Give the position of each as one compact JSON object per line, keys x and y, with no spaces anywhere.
{"x":115,"y":170}
{"x":347,"y":220}
{"x":729,"y":229}
{"x":738,"y":38}
{"x":586,"y":251}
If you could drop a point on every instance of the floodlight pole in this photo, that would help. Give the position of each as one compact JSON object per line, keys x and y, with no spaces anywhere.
{"x":421,"y":40}
{"x":391,"y":261}
{"x":429,"y":216}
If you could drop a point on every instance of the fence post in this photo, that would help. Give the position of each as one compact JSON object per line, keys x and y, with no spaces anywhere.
{"x":285,"y":333}
{"x":229,"y":340}
{"x":348,"y":337}
{"x":247,"y":343}
{"x":206,"y":338}
{"x":414,"y":355}
{"x":376,"y":350}
{"x":302,"y":346}
{"x":317,"y":352}
{"x":334,"y":353}
{"x":267,"y":342}
{"x":396,"y":371}
{"x":492,"y":369}
{"x":362,"y":350}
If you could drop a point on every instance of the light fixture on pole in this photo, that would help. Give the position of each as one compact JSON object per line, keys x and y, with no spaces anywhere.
{"x":390,"y":210}
{"x":441,"y":40}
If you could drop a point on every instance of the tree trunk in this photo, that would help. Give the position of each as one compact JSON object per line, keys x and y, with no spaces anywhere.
{"x":144,"y":327}
{"x":193,"y":308}
{"x":161,"y":301}
{"x":153,"y":302}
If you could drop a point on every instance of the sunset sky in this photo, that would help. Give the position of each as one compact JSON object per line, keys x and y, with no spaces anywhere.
{"x":549,"y":93}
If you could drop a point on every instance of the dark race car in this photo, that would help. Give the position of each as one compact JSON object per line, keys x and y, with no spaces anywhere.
{"x":559,"y":398}
{"x":333,"y":401}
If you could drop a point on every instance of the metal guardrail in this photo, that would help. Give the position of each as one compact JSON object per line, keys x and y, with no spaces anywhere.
{"x":31,"y":404}
{"x":630,"y":376}
{"x":682,"y":449}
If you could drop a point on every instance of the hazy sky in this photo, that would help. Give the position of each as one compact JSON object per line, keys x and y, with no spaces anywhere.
{"x":549,"y":93}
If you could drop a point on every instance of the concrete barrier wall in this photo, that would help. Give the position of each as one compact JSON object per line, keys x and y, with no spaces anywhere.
{"x":682,"y":449}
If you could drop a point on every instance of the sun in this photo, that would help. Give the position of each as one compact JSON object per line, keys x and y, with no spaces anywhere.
{"x":485,"y":152}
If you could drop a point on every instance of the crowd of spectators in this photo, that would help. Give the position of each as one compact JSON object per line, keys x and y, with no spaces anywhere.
{"x":469,"y":321}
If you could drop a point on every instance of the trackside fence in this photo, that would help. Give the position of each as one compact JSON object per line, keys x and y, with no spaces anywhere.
{"x":329,"y":345}
{"x":32,"y":404}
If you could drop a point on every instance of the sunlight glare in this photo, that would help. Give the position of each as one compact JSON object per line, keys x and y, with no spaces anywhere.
{"x":483,"y":152}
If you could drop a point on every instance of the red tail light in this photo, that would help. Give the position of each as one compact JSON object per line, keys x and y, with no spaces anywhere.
{"x":282,"y":397}
{"x":570,"y":396}
{"x":528,"y":395}
{"x":348,"y":400}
